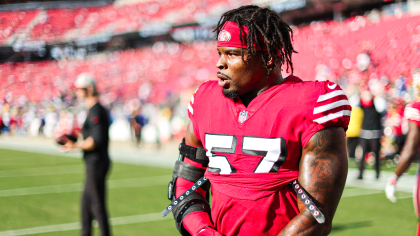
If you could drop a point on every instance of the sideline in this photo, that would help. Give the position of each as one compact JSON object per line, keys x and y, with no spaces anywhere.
{"x":76,"y":225}
{"x":121,"y":153}
{"x":405,"y":183}
{"x":78,"y":187}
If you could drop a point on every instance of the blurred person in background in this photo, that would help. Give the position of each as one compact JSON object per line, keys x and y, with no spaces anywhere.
{"x":6,"y":118}
{"x":137,"y":121}
{"x":1,"y":124}
{"x":135,"y":127}
{"x":41,"y":116}
{"x":163,"y":125}
{"x":95,"y":154}
{"x":409,"y":154}
{"x":355,"y":125}
{"x":370,"y":136}
{"x":399,"y":125}
{"x":13,"y":121}
{"x":51,"y":120}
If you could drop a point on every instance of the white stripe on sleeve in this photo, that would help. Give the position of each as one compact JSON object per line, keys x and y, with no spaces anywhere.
{"x":331,"y":106}
{"x":330,"y":95}
{"x":190,"y":108}
{"x":412,"y":113}
{"x":332,"y":116}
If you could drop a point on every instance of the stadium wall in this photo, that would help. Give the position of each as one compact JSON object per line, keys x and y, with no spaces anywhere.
{"x":55,"y":4}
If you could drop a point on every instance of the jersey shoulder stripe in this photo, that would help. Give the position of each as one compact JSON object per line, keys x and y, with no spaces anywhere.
{"x":190,"y":109}
{"x":331,"y":105}
{"x":412,"y":113}
{"x":330,"y":95}
{"x":203,"y":90}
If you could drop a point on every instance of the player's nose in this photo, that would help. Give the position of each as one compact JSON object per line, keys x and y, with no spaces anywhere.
{"x":221,"y":63}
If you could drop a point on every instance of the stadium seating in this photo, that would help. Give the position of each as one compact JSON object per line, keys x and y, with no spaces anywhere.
{"x":53,"y":25}
{"x":326,"y":48}
{"x":66,"y":24}
{"x":119,"y":73}
{"x":14,"y":22}
{"x":329,"y":43}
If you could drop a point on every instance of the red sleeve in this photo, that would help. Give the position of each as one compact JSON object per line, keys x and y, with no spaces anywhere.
{"x":412,"y":112}
{"x":198,"y":220}
{"x":191,"y":107}
{"x":330,"y":108}
{"x":197,"y":101}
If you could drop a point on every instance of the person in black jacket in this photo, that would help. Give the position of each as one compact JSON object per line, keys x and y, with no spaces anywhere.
{"x":95,"y":154}
{"x":371,"y":133}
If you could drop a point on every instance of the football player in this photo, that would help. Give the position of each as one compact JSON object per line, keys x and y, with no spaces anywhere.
{"x":408,"y":154}
{"x":253,"y":132}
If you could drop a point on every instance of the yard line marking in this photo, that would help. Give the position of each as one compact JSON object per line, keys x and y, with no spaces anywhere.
{"x":50,"y":170}
{"x":134,"y":219}
{"x":34,"y":163}
{"x":40,"y":230}
{"x":359,"y":192}
{"x":125,"y":220}
{"x":78,"y":187}
{"x":404,"y":197}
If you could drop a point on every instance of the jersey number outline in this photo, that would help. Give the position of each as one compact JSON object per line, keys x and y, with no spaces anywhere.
{"x":273,"y":150}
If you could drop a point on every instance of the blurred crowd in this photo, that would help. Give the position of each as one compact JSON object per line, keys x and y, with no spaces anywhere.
{"x":142,"y":121}
{"x":147,"y":89}
{"x":386,"y":45}
{"x":129,"y":120}
{"x":378,"y":128}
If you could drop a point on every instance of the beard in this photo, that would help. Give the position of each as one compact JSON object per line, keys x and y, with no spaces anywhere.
{"x":232,"y":94}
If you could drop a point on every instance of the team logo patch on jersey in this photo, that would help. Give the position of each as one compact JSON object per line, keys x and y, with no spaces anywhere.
{"x":224,"y":36}
{"x":332,"y":86}
{"x":242,"y":116}
{"x":95,"y":119}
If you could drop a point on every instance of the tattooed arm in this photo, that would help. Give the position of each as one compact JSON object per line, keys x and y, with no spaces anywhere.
{"x":323,"y":173}
{"x":408,"y":154}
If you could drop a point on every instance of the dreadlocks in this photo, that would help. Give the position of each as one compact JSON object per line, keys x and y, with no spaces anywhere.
{"x":277,"y":35}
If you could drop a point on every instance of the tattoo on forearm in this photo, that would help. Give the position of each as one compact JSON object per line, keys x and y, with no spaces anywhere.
{"x":322,"y":162}
{"x":323,"y":172}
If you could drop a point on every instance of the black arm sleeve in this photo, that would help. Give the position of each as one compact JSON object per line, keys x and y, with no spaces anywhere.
{"x":99,"y":130}
{"x":182,"y":170}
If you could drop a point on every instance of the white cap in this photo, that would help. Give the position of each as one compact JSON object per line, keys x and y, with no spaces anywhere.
{"x":85,"y":80}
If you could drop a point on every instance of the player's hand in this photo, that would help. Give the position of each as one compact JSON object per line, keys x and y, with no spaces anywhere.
{"x":209,"y":232}
{"x":68,"y":146}
{"x":390,"y":189}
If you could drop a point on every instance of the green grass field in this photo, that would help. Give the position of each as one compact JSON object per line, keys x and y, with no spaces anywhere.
{"x":41,"y":193}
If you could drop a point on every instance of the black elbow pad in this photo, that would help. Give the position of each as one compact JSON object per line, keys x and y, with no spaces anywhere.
{"x":195,"y":201}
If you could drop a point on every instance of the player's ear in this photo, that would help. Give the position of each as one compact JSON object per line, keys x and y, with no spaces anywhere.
{"x":270,"y":62}
{"x":89,"y":90}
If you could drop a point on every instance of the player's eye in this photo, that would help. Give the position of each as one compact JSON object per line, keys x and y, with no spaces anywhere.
{"x":233,"y":53}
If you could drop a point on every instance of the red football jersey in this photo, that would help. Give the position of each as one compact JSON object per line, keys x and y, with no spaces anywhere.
{"x":254,"y":151}
{"x":412,"y":112}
